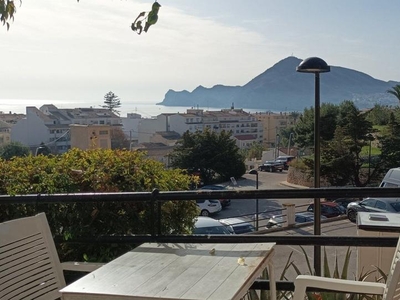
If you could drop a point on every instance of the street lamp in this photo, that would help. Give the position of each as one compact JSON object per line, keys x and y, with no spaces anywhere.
{"x":288,"y":147}
{"x":316,"y":65}
{"x":278,"y":140}
{"x":255,"y":172}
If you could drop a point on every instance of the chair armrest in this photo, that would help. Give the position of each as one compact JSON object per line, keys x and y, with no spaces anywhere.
{"x":332,"y":284}
{"x":80,"y":266}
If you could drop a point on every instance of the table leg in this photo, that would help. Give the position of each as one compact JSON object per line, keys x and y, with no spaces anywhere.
{"x":272,"y":282}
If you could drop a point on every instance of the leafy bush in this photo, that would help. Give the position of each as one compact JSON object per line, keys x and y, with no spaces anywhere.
{"x":95,"y":171}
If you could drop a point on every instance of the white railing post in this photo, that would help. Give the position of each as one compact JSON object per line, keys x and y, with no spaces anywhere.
{"x":290,"y":213}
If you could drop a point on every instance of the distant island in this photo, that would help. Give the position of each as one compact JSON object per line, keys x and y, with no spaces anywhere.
{"x":281,"y":88}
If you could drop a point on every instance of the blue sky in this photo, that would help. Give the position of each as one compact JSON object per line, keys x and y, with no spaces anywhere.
{"x":69,"y":51}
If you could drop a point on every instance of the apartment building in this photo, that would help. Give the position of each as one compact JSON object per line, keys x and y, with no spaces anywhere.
{"x":245,"y":128}
{"x":51,"y":125}
{"x":5,"y":133}
{"x":11,"y":118}
{"x":90,"y":136}
{"x":273,"y":123}
{"x":130,"y":125}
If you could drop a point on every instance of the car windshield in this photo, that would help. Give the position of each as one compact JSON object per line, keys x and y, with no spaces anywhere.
{"x":212,"y":230}
{"x":243,"y":228}
{"x":396,"y":206}
{"x":213,"y":201}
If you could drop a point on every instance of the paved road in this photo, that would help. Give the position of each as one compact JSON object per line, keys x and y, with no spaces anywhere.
{"x":341,"y":227}
{"x":266,"y":180}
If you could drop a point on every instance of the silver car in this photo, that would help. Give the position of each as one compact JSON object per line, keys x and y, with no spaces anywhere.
{"x":391,"y":205}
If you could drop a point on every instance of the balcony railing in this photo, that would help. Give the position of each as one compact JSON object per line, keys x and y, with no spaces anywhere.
{"x":158,"y":197}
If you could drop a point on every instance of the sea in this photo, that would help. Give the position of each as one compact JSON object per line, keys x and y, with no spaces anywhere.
{"x":145,"y":109}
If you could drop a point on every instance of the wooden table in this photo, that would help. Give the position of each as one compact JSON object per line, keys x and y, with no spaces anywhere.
{"x":178,"y":271}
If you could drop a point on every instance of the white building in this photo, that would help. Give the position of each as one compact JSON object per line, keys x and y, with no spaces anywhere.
{"x":130,"y":125}
{"x":148,"y":127}
{"x":50,"y":125}
{"x":245,"y":128}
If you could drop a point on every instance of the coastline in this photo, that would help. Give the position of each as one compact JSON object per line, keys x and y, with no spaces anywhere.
{"x":145,"y":109}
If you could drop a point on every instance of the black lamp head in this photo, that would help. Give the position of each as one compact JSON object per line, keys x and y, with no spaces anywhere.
{"x":313,"y":65}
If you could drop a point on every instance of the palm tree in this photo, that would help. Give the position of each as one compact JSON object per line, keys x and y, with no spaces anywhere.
{"x":395,"y":91}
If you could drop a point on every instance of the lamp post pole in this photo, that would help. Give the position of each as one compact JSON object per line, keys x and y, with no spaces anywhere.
{"x":288,"y":147}
{"x":278,"y":140}
{"x":257,"y":201}
{"x":255,"y":172}
{"x":316,"y":65}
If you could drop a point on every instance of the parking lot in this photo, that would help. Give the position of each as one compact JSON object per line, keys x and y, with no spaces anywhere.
{"x":266,"y":180}
{"x":339,"y":227}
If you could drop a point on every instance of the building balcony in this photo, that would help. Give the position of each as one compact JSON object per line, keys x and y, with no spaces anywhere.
{"x":298,"y":236}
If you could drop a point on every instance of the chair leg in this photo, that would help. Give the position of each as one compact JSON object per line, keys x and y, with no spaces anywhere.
{"x":299,"y":291}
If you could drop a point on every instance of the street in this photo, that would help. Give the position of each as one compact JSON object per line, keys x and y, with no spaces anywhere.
{"x":342,"y":227}
{"x":247,"y":207}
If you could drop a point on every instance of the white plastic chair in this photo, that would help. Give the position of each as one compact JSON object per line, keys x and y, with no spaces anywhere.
{"x":29,"y":264}
{"x":389,"y":290}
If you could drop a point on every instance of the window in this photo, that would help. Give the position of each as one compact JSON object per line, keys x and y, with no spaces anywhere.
{"x":369,"y":202}
{"x":396,"y":206}
{"x":103,"y":132}
{"x":380,"y":205}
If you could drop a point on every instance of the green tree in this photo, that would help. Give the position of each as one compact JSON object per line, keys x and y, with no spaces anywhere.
{"x":14,"y":149}
{"x":254,"y":151}
{"x":395,"y":91}
{"x":78,"y":171}
{"x":285,"y":136}
{"x":112,"y":102}
{"x":118,"y":139}
{"x":214,"y":155}
{"x":341,"y":156}
{"x":379,"y":115}
{"x":7,"y":11}
{"x":390,"y":145}
{"x":304,"y":127}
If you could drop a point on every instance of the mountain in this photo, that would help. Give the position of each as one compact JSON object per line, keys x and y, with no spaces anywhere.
{"x":282,"y":88}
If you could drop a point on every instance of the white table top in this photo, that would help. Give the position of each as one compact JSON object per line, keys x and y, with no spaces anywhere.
{"x":176,"y":271}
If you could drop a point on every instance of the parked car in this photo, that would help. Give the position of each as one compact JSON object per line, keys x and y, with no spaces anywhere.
{"x":344,"y":202}
{"x":237,"y":225}
{"x":208,"y":207}
{"x":300,"y":217}
{"x":305,"y":217}
{"x":218,"y":187}
{"x":391,"y":205}
{"x":328,"y":209}
{"x":271,"y":166}
{"x":207,"y":225}
{"x":391,"y":179}
{"x":285,"y":159}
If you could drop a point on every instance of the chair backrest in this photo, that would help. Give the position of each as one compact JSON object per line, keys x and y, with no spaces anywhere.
{"x":29,"y":264}
{"x":392,"y":290}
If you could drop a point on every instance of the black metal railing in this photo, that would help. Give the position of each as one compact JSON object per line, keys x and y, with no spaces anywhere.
{"x":158,"y":197}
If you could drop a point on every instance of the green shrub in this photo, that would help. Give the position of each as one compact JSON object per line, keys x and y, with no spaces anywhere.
{"x":95,"y":171}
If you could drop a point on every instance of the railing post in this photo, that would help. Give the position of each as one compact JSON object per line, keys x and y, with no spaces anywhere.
{"x":290,"y":213}
{"x":153,"y":202}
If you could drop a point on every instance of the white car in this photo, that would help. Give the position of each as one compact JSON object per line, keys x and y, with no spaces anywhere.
{"x":207,"y":225}
{"x":238,"y":225}
{"x":208,"y":207}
